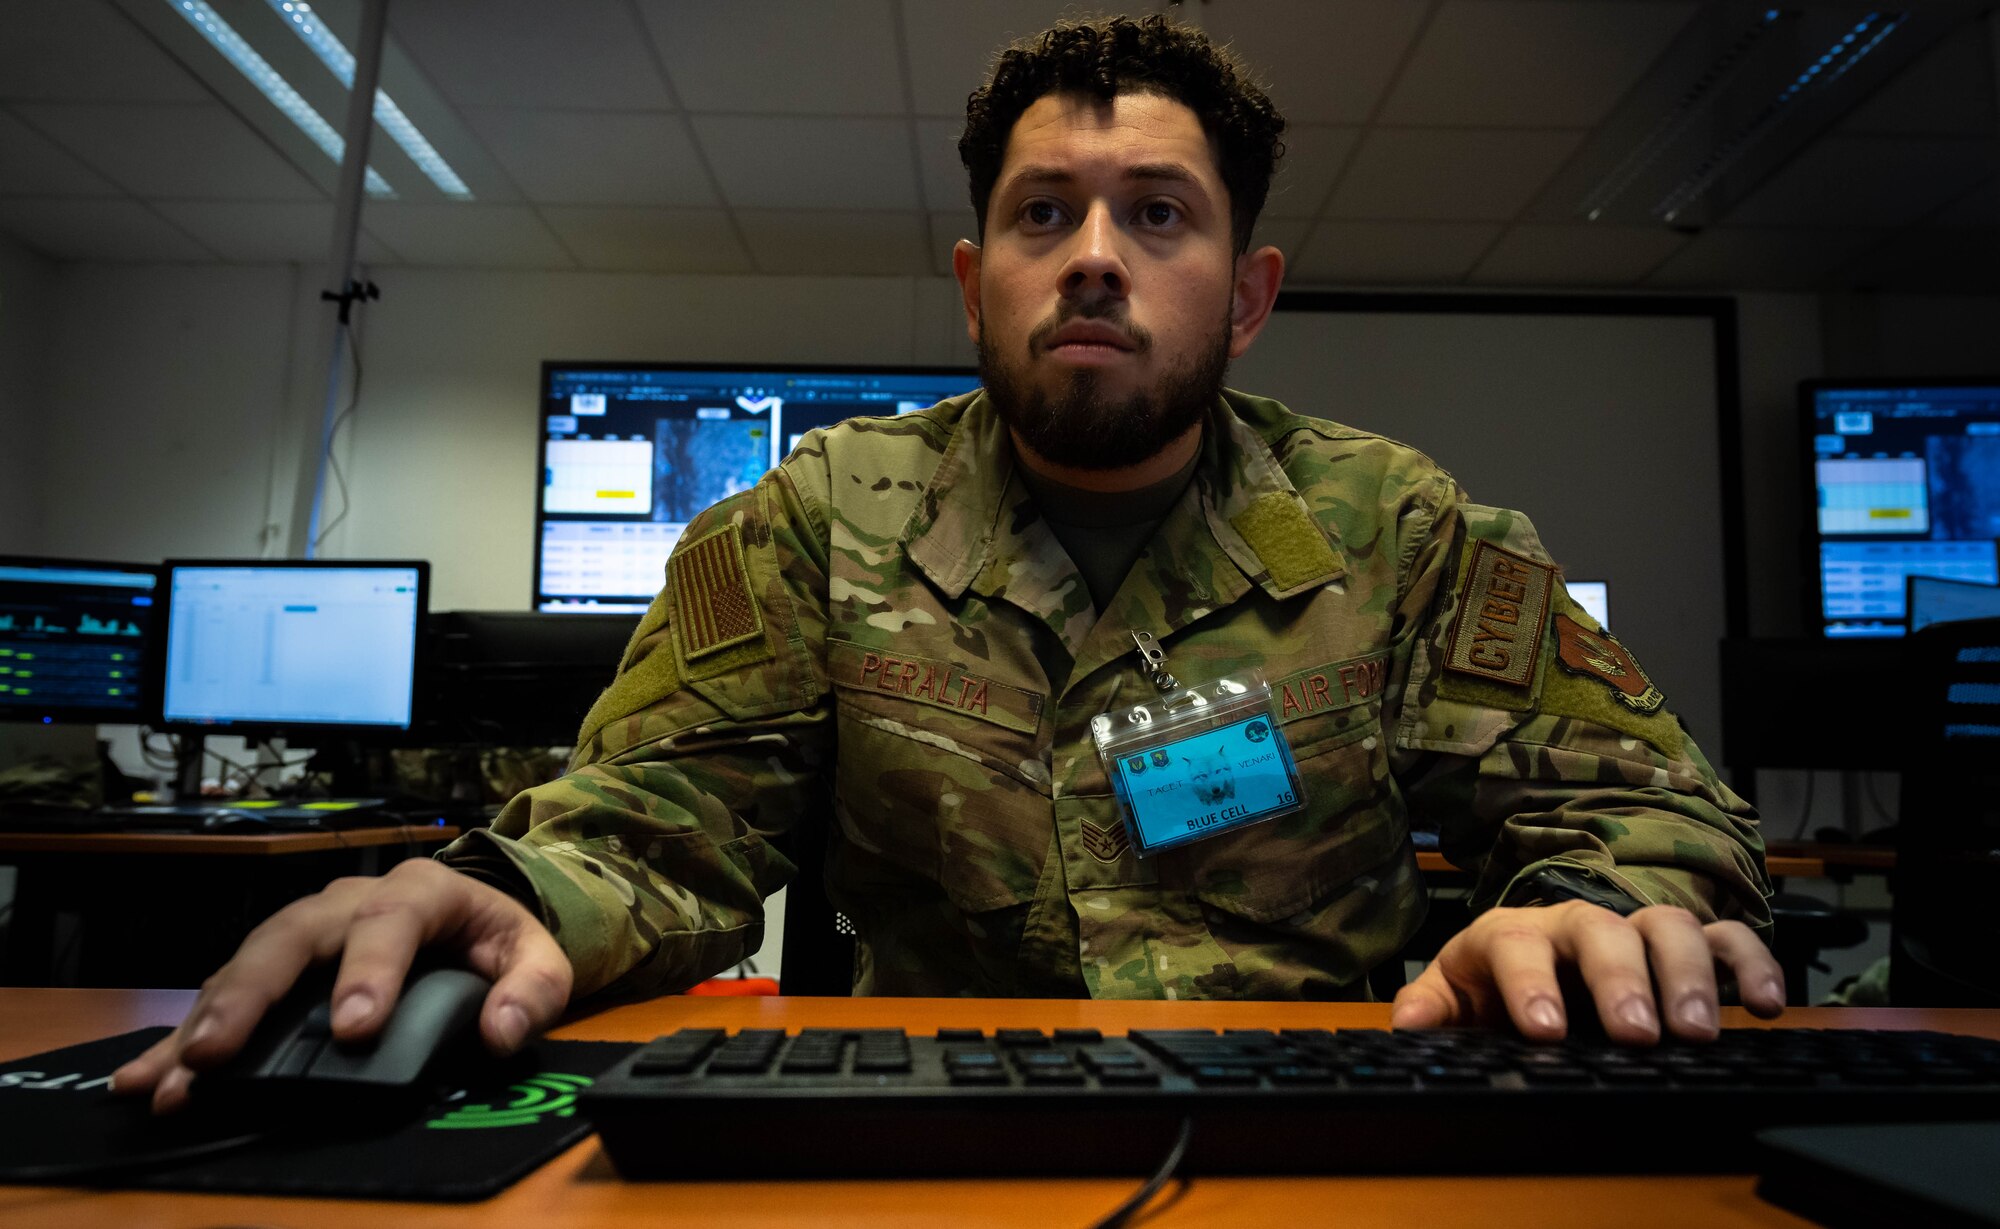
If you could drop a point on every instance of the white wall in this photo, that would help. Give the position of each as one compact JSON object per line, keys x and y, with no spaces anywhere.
{"x":26,"y":282}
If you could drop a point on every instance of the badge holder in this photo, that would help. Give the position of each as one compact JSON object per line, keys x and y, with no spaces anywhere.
{"x":1198,"y":761}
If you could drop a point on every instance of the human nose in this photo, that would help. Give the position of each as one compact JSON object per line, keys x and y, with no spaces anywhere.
{"x":1096,"y":265}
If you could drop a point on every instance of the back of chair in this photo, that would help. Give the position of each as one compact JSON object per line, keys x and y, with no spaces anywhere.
{"x":1944,"y":948}
{"x":818,"y":954}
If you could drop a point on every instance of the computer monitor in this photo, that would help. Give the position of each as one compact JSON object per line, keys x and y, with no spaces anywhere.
{"x":630,"y":452}
{"x":76,"y":638}
{"x":1932,"y":599}
{"x":265,"y":647}
{"x":1594,"y":596}
{"x":1904,"y":478}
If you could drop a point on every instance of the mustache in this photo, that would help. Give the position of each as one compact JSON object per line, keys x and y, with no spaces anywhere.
{"x":1103,"y":310}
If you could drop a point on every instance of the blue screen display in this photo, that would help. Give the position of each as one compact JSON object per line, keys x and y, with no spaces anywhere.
{"x":1907,"y":483}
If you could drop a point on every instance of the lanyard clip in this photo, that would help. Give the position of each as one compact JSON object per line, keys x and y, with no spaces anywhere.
{"x":1153,"y":661}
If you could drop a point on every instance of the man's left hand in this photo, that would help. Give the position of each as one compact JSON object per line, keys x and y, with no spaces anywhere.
{"x":1504,"y":966}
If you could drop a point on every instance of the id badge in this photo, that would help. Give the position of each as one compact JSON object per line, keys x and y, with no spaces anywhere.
{"x":1197,"y":762}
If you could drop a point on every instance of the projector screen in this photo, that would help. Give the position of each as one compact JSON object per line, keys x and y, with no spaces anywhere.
{"x":1601,"y":418}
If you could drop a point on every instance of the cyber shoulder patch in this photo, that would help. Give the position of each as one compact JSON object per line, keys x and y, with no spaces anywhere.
{"x":1503,"y":611}
{"x":1596,"y":655}
{"x":714,"y":606}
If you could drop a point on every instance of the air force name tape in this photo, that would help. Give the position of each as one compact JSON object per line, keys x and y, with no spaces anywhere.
{"x":1503,"y":613}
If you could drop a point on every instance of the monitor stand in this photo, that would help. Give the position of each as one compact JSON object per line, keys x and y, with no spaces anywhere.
{"x":187,"y":768}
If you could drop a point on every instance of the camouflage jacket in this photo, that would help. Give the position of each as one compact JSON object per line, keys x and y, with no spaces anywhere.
{"x":884,"y":635}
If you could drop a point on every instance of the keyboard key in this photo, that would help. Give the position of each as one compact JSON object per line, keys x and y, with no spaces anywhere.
{"x":1224,"y":1075}
{"x":979,"y":1075}
{"x":1078,"y":1036}
{"x":961,"y":1034}
{"x":1124,"y":1077}
{"x":1052,"y":1075}
{"x":1021,"y":1037}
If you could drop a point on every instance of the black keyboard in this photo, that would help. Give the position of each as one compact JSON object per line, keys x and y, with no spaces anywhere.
{"x":700,"y":1103}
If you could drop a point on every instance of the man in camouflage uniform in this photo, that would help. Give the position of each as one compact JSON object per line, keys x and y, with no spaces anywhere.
{"x":905,"y":631}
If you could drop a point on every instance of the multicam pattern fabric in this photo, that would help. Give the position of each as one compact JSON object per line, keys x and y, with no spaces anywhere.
{"x":924,"y":678}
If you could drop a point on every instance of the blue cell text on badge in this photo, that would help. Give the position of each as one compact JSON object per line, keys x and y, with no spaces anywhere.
{"x":1209,"y":782}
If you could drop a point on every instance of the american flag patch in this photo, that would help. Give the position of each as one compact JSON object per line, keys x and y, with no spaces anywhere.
{"x":713,"y":605}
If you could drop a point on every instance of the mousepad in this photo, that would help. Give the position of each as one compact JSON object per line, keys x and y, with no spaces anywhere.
{"x":61,"y":1125}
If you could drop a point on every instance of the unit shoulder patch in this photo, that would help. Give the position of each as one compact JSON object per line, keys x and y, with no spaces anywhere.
{"x":1595,"y":654}
{"x":1503,"y":612}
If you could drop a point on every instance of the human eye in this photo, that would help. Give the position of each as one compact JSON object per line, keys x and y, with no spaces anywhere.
{"x":1040,"y":213}
{"x":1158,"y":213}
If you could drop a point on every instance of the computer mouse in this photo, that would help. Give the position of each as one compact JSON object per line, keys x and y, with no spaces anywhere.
{"x":292,"y":1073}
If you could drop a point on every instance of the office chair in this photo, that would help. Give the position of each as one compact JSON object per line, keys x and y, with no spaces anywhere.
{"x":1947,"y":880}
{"x":818,"y":954}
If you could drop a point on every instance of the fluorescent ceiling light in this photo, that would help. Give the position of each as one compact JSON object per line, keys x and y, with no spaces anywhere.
{"x":224,"y":38}
{"x":340,"y":62}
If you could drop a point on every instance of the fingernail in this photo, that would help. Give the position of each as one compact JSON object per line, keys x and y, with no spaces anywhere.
{"x":356,"y":1007}
{"x":1698,"y":1013}
{"x":511,"y":1023}
{"x":1774,"y":991}
{"x":1639,"y":1014}
{"x":203,"y":1029}
{"x":1544,"y":1014}
{"x":172,"y":1089}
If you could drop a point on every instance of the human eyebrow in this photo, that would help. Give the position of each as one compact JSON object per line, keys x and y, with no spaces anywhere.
{"x":1145,"y":172}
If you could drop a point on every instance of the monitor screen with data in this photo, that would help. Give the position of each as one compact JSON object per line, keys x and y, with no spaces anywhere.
{"x":1906,"y":482}
{"x":291,"y":646}
{"x":630,"y":452}
{"x":75,"y":638}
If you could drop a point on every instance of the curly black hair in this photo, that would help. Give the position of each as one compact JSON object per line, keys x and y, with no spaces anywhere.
{"x":1118,"y":55}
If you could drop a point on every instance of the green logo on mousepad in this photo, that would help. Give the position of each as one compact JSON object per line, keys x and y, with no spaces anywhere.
{"x":61,"y":1125}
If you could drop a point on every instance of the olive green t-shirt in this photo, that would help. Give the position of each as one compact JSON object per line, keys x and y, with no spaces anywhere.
{"x":1104,"y":532}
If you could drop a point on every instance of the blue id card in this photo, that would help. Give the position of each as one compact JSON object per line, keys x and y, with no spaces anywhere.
{"x":1205,"y":782}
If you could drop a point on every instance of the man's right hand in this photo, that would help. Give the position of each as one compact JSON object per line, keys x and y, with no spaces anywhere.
{"x":374,"y":928}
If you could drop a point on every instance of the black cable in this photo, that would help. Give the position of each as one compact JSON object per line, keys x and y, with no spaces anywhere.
{"x":1122,"y":1214}
{"x":333,"y":435}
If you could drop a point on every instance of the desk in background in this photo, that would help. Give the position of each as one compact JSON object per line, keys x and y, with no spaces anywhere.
{"x":579,"y":1188}
{"x":167,"y":908}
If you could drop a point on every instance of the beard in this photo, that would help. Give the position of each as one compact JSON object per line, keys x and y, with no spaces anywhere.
{"x":1083,"y":427}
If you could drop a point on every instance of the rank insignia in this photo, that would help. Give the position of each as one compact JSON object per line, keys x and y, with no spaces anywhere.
{"x":1106,"y":844}
{"x":714,"y":607}
{"x":1596,"y":655}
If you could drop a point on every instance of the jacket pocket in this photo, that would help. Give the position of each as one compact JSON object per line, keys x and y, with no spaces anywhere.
{"x":951,"y":797}
{"x":1352,"y":821}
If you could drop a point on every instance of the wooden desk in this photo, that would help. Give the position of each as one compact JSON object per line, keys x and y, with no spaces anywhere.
{"x":579,"y":1188}
{"x":215,"y":886}
{"x":1784,"y":859}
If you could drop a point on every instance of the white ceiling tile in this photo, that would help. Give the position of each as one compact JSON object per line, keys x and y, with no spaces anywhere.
{"x":1578,"y":255}
{"x":1314,"y":156}
{"x":1324,"y":62}
{"x":1402,"y":174}
{"x":200,"y":151}
{"x":1391,"y":253}
{"x":1955,"y":260}
{"x":952,"y":45}
{"x":595,"y":157}
{"x":946,"y":229}
{"x":788,"y":242}
{"x":1868,"y":181}
{"x":1739,"y":258}
{"x":828,"y":57}
{"x":1548,"y":63}
{"x":944,"y":178}
{"x":33,"y":165}
{"x":649,"y":240}
{"x":86,"y":51}
{"x":466,"y":236}
{"x":267,"y":232}
{"x":532,"y":53}
{"x":1949,"y":88}
{"x":72,"y":229}
{"x":800,"y":162}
